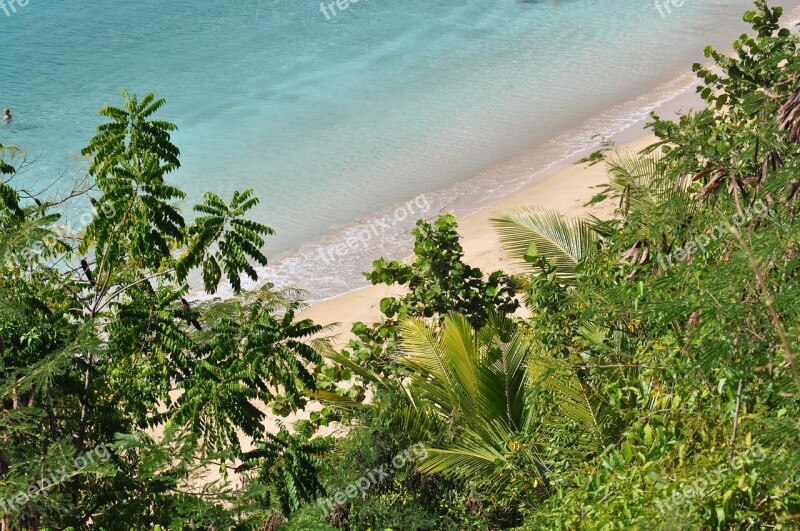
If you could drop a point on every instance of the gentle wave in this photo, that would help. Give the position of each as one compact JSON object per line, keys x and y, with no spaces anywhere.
{"x":334,"y":265}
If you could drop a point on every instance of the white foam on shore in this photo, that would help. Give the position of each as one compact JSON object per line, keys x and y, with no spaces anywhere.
{"x":334,"y":265}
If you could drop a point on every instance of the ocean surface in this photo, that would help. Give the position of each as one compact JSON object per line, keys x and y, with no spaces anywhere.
{"x":349,"y":124}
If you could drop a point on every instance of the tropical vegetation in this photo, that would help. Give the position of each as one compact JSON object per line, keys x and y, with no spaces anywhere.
{"x":635,"y":372}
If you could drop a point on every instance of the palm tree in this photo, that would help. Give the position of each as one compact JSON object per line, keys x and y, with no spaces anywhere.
{"x":494,"y":389}
{"x":641,"y":185}
{"x":486,"y":384}
{"x":529,"y":233}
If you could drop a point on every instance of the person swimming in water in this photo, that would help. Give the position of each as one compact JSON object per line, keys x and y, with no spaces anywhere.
{"x":6,"y":115}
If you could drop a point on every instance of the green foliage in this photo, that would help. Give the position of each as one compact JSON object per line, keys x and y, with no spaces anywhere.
{"x":9,"y":198}
{"x":238,"y":240}
{"x":531,"y":233}
{"x":676,"y":336}
{"x":129,"y":160}
{"x":406,"y":499}
{"x":100,"y":349}
{"x":440,"y":282}
{"x":671,"y":328}
{"x":484,"y":384}
{"x":296,"y":460}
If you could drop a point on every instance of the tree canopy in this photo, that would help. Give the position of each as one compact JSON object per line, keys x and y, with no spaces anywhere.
{"x":640,"y":372}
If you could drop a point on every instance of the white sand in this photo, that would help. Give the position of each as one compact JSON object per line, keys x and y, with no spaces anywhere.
{"x":566,"y":190}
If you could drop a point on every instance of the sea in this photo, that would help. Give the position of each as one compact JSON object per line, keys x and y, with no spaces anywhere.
{"x":349,"y":119}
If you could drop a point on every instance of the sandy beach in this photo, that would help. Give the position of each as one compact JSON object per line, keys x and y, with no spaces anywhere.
{"x":566,"y":189}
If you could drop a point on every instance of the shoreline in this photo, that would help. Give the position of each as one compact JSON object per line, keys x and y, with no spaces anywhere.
{"x":561,"y":186}
{"x":325,"y":273}
{"x":324,"y":279}
{"x":622,"y":123}
{"x":565,"y":190}
{"x":564,"y":186}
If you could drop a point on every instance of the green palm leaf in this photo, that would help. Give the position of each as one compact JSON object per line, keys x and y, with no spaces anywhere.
{"x":480,"y":383}
{"x":531,"y":232}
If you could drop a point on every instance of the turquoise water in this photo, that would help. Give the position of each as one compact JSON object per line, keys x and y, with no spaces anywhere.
{"x":334,"y":120}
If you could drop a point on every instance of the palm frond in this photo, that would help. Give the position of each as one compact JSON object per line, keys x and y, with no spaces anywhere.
{"x":531,"y":232}
{"x":572,"y":400}
{"x":480,"y":382}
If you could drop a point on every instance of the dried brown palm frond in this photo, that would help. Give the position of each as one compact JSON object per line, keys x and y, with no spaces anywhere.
{"x":638,"y":254}
{"x":716,"y":178}
{"x":790,"y":117}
